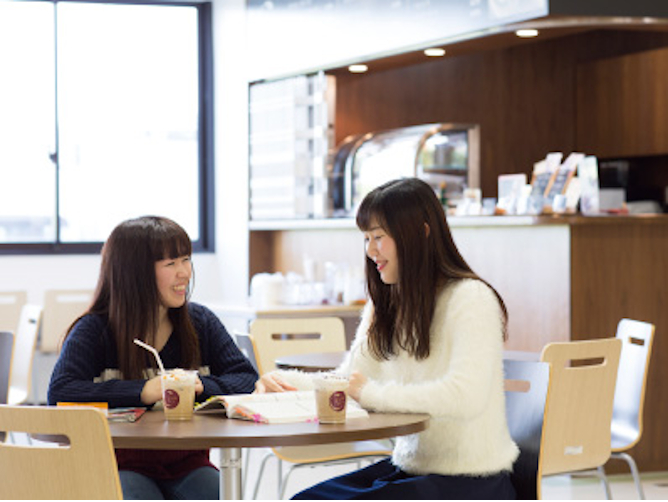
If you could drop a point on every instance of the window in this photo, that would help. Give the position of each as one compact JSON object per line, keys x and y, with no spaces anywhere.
{"x":103,"y":117}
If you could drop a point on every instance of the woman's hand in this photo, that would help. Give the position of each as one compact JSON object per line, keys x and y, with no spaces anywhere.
{"x":152,"y":391}
{"x":271,"y":382}
{"x":355,"y":384}
{"x":199,"y":386}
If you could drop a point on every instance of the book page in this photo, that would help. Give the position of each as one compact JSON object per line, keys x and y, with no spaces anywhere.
{"x":275,"y":412}
{"x":232,"y":400}
{"x":276,"y":407}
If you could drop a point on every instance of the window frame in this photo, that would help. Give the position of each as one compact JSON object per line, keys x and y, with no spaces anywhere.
{"x":206,"y":188}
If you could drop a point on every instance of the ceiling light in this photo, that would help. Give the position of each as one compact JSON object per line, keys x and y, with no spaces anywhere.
{"x":357,"y":68}
{"x":526,"y":33}
{"x":434,"y":52}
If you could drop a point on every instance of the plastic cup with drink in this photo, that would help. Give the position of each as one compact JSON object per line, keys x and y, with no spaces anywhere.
{"x":178,"y":393}
{"x":331,"y":398}
{"x":178,"y":388}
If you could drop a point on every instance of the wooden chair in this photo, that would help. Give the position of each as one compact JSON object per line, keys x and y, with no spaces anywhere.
{"x":627,"y":412}
{"x":84,"y":469}
{"x":281,"y":337}
{"x":61,"y":308}
{"x":527,"y":389}
{"x":273,"y":338}
{"x":576,"y":433}
{"x":11,"y":303}
{"x":20,"y":378}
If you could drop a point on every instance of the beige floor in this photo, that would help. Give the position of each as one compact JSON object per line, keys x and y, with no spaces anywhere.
{"x":554,"y":487}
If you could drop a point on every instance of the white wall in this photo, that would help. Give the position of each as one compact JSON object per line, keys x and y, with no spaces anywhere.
{"x":231,"y":149}
{"x":35,"y":274}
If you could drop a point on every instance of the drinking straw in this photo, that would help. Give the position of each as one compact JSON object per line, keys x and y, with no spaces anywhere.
{"x":155,"y":353}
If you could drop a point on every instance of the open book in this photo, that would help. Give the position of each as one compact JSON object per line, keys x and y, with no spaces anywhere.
{"x":273,"y":408}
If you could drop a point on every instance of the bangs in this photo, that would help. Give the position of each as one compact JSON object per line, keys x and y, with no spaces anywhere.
{"x":170,"y":241}
{"x":370,"y":212}
{"x":179,"y":246}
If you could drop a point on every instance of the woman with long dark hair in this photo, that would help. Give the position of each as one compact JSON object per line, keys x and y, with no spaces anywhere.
{"x":142,"y":292}
{"x":430,"y":341}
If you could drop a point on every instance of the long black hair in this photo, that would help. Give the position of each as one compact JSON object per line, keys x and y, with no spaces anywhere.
{"x":411,"y":214}
{"x":127,"y":293}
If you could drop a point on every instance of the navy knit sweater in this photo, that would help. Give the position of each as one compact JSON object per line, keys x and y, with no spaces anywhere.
{"x":87,"y":371}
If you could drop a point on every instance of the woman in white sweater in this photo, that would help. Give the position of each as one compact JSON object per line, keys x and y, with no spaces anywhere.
{"x":430,"y":341}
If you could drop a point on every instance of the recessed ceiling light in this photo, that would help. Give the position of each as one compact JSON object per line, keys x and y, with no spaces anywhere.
{"x":434,"y":52}
{"x":357,"y":68}
{"x":526,"y":33}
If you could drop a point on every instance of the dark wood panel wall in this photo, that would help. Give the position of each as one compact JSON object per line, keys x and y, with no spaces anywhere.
{"x":622,"y":105}
{"x":620,"y":271}
{"x":524,"y":97}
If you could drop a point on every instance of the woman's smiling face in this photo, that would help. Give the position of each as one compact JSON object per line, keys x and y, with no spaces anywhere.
{"x":173,"y":276}
{"x":382,"y":249}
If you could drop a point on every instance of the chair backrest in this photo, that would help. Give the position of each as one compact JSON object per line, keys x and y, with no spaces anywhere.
{"x":11,"y":303}
{"x":527,"y":387}
{"x":576,"y":432}
{"x":6,"y":350}
{"x":84,"y":469}
{"x":247,"y":347}
{"x":61,"y":308}
{"x":286,"y":336}
{"x":636,"y":337}
{"x":20,"y":378}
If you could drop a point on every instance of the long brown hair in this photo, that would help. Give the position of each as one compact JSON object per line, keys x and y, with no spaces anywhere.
{"x":428,"y":260}
{"x":127,"y":293}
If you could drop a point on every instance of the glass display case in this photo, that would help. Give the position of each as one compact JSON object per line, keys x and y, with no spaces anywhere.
{"x":447,"y":156}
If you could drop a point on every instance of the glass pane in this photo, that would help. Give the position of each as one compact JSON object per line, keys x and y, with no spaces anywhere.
{"x":128,"y":116}
{"x":27,"y":123}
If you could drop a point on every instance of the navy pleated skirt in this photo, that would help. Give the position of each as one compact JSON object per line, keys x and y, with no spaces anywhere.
{"x":383,"y":480}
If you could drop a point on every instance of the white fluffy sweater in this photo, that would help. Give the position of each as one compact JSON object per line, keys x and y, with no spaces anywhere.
{"x":460,"y":385}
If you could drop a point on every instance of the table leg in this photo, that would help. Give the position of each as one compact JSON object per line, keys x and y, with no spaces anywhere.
{"x":230,"y":474}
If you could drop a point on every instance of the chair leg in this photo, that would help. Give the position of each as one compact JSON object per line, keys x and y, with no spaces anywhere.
{"x":259,"y":474}
{"x":634,"y":472}
{"x":604,"y":479}
{"x":281,"y":482}
{"x":284,"y":481}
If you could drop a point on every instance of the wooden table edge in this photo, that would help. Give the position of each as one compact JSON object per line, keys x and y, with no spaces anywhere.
{"x":302,"y":434}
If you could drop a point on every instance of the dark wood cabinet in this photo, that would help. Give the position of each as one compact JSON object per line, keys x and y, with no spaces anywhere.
{"x":622,"y":105}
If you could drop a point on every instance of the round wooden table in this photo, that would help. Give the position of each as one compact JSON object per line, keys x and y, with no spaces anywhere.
{"x":152,"y":431}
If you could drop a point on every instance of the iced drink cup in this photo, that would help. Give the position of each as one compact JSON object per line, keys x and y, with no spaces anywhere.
{"x":178,"y":393}
{"x":330,"y":398}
